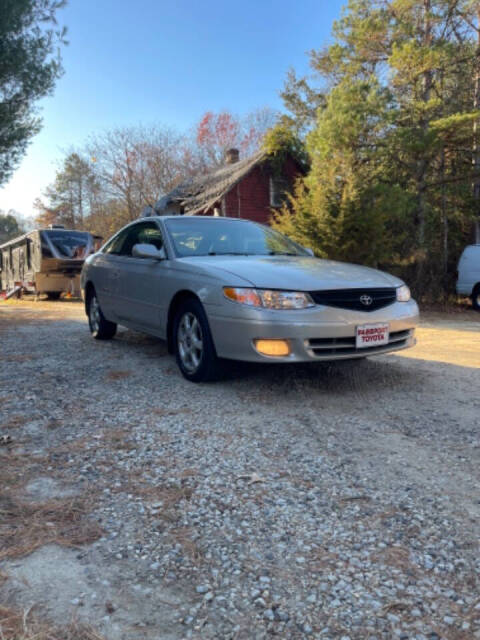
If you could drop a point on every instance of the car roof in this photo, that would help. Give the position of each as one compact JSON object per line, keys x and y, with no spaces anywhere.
{"x":176,"y":217}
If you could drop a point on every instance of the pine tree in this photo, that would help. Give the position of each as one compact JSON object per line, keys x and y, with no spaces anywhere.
{"x":391,"y":152}
{"x":29,"y":67}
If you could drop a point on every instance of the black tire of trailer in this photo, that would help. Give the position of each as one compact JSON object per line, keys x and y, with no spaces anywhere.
{"x":54,"y":295}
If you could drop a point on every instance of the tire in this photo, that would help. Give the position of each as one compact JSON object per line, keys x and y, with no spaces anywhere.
{"x":53,"y":295}
{"x":476,"y":297}
{"x":100,"y":327}
{"x":193,"y":344}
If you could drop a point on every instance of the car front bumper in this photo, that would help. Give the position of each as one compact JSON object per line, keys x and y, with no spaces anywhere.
{"x":319,"y":333}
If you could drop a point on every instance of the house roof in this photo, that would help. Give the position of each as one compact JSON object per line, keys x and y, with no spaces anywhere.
{"x":199,"y":194}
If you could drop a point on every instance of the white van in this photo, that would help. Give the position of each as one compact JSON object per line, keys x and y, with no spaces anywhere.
{"x":468,"y":282}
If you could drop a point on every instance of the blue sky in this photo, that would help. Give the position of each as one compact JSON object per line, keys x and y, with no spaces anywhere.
{"x":155,"y":61}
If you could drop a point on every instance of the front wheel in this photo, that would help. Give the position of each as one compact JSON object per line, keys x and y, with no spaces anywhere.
{"x":476,"y":297}
{"x":100,"y":327}
{"x":194,"y":348}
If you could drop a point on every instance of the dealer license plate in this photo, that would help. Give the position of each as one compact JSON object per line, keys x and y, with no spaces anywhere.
{"x":372,"y":335}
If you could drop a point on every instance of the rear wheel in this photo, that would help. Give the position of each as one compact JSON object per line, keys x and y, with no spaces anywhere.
{"x":53,"y":295}
{"x":194,"y":348}
{"x":476,"y":297}
{"x":100,"y":327}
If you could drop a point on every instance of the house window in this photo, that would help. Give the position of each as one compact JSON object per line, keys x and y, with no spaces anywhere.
{"x":278,"y":190}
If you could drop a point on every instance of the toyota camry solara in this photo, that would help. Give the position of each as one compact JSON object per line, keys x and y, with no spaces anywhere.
{"x":229,"y":288}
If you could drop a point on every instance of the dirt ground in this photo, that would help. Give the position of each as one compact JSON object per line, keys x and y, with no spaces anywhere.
{"x":98,"y":435}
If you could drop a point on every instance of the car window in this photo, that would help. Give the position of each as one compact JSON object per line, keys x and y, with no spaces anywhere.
{"x":115,"y":245}
{"x":141,"y":233}
{"x":151,"y":235}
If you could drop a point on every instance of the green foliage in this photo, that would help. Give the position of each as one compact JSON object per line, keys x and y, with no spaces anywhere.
{"x":343,"y":208}
{"x":281,"y":141}
{"x":9,"y":227}
{"x":29,"y":67}
{"x":390,"y":148}
{"x":71,"y":194}
{"x":302,"y":101}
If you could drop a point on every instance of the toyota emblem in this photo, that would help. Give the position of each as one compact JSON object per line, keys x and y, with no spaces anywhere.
{"x":366,"y":300}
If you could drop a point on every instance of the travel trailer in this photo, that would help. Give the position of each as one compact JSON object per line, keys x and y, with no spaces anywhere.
{"x":46,"y":261}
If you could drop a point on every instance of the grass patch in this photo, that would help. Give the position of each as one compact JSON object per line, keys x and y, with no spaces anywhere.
{"x":13,"y":423}
{"x":19,"y":357}
{"x":120,"y":439}
{"x":170,"y":412}
{"x":24,"y":625}
{"x":118,"y":375}
{"x":183,"y":536}
{"x":24,"y":526}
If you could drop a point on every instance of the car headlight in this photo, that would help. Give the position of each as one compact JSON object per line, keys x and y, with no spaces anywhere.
{"x":269,"y":299}
{"x":403,"y":293}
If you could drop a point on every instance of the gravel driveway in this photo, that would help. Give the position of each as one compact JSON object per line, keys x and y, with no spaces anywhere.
{"x":324,"y":501}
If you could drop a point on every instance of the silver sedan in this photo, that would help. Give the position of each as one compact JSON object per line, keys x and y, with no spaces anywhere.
{"x":217,"y":288}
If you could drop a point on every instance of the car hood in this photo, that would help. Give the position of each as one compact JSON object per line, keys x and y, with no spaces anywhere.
{"x":294,"y":272}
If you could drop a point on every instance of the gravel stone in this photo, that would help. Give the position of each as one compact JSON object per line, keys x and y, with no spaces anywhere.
{"x":202,"y":588}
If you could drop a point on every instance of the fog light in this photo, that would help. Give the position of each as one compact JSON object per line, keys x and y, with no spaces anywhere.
{"x":273,"y":347}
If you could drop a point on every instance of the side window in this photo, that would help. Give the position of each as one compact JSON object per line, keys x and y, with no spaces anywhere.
{"x":151,"y":235}
{"x":115,"y":245}
{"x":142,"y":233}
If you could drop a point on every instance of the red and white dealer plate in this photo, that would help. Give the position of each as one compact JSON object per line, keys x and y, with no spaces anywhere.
{"x":372,"y":335}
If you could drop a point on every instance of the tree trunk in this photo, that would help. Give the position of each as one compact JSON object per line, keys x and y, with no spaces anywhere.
{"x":80,"y":200}
{"x":443,"y":207}
{"x":476,"y":142}
{"x":424,"y":124}
{"x":423,"y":162}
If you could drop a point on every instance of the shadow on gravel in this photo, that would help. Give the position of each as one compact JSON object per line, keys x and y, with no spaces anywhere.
{"x":358,"y":376}
{"x":147,"y":345}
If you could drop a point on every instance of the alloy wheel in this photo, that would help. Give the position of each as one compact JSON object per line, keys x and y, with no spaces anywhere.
{"x":190,"y":342}
{"x":94,"y":314}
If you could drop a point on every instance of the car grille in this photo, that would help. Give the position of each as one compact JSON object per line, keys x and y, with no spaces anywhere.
{"x":346,"y":346}
{"x":352,"y":298}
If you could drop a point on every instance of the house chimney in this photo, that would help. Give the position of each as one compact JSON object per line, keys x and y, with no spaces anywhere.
{"x":232,"y":156}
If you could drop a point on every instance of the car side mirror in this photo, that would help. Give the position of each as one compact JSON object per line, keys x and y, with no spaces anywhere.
{"x":309,"y":251}
{"x":148,"y":251}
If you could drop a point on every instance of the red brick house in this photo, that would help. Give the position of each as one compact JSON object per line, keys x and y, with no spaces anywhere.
{"x":248,"y":188}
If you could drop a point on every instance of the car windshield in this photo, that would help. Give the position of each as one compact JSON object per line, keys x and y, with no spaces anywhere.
{"x":215,"y":237}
